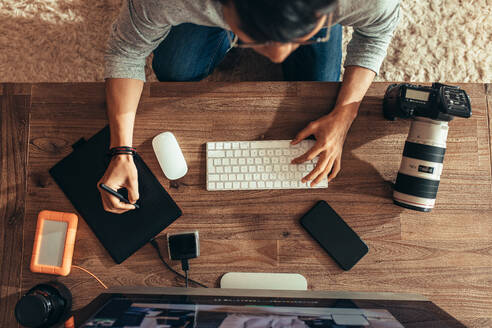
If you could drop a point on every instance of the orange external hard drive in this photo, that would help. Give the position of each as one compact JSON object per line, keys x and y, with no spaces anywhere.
{"x":54,"y":242}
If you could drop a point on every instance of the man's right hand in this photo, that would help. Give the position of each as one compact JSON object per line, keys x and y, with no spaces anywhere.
{"x":121,"y":173}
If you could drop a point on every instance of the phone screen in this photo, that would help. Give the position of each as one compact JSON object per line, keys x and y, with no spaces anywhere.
{"x":334,"y":235}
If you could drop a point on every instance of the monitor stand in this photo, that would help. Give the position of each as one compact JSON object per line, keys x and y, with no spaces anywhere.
{"x":261,"y":280}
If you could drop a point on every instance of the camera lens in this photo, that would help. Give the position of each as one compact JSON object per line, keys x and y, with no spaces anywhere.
{"x":418,"y":179}
{"x":32,"y":310}
{"x":44,"y":305}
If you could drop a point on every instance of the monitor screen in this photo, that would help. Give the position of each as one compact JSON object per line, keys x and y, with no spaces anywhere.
{"x":159,"y":311}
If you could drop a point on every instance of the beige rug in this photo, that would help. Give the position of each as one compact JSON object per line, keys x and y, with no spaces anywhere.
{"x":63,"y":40}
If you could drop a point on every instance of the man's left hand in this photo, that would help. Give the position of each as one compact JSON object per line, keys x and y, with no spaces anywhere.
{"x":330,"y":132}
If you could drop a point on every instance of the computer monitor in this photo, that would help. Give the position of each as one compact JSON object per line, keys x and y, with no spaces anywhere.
{"x":227,"y":308}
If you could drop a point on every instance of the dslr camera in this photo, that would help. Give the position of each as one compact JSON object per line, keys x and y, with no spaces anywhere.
{"x":431,"y":108}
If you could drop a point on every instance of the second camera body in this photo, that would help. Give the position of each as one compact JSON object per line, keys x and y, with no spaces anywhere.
{"x":431,"y":108}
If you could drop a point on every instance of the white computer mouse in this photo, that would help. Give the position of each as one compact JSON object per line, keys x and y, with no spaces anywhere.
{"x":169,"y":155}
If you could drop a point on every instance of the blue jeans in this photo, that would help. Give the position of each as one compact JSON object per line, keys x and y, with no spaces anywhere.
{"x":191,"y":52}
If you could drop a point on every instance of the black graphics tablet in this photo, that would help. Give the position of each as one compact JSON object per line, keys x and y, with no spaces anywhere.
{"x":121,"y":234}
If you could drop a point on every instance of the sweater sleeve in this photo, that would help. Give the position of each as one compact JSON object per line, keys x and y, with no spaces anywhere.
{"x":137,"y":31}
{"x":370,"y":41}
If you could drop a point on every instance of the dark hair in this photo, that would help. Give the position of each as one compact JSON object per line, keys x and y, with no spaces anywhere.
{"x":279,"y":20}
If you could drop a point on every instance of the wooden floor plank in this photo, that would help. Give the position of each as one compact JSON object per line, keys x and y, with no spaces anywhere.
{"x":14,"y":118}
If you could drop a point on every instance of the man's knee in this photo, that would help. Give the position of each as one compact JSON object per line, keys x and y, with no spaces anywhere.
{"x":166,"y":72}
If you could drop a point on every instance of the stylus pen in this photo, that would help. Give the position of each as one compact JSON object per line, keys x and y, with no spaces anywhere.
{"x":117,"y":194}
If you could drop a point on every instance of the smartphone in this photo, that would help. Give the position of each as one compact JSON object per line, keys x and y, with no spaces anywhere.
{"x":334,"y":235}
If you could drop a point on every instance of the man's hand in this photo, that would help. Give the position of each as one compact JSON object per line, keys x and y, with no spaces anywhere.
{"x":121,"y":173}
{"x":330,"y":132}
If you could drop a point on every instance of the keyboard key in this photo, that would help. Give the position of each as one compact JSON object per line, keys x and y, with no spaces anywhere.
{"x":210,"y":146}
{"x":245,"y":153}
{"x":252,"y":184}
{"x":216,"y":153}
{"x":225,"y":161}
{"x":220,"y":169}
{"x":233,"y":161}
{"x":244,"y":145}
{"x":213,"y":177}
{"x":236,"y":185}
{"x":220,"y":185}
{"x":228,"y":185}
{"x":229,"y":153}
{"x":219,"y":145}
{"x":227,"y":169}
{"x":237,"y":152}
{"x":235,"y":145}
{"x":240,"y":177}
{"x":223,"y":177}
{"x":256,"y":144}
{"x":261,"y":184}
{"x":256,"y":176}
{"x":211,"y":185}
{"x":235,"y":169}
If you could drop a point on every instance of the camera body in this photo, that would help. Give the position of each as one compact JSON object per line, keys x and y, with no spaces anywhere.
{"x":439,"y":102}
{"x":431,"y":108}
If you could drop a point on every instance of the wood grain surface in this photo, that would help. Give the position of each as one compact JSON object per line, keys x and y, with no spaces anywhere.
{"x":445,"y":255}
{"x":14,"y":122}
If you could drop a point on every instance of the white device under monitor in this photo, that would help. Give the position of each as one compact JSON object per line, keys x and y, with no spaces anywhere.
{"x":263,"y":280}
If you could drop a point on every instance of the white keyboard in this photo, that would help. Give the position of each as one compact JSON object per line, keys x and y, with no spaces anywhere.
{"x":253,"y":165}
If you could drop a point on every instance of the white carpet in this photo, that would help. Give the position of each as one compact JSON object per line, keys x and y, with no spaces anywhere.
{"x":63,"y":40}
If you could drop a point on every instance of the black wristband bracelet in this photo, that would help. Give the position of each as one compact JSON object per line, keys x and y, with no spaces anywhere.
{"x":123,"y":150}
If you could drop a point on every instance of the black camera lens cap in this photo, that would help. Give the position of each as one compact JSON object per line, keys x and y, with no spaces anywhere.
{"x":32,"y":311}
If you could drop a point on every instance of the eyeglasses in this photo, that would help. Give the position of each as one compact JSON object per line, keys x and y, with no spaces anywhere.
{"x":234,"y":40}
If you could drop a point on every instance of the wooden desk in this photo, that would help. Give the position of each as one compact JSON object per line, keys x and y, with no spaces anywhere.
{"x":445,"y":255}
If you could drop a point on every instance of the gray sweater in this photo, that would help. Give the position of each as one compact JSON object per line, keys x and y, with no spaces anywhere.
{"x":143,"y":24}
